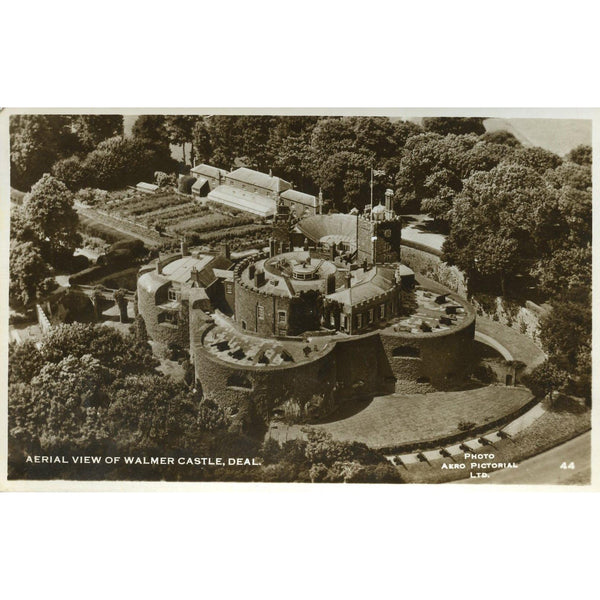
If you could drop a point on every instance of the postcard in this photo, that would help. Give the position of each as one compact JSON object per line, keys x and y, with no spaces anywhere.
{"x":296,"y":296}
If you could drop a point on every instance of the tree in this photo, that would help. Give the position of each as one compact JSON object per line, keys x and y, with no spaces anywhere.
{"x":567,"y":328}
{"x":211,"y":416}
{"x":28,"y":269}
{"x":582,"y":155}
{"x":570,"y":174}
{"x":52,"y":218}
{"x":575,"y":208}
{"x":180,"y":129}
{"x":501,"y":222}
{"x":457,"y":125}
{"x":432,"y":168}
{"x":201,"y":142}
{"x":563,"y":270}
{"x":536,"y":158}
{"x":64,"y":407}
{"x":24,"y":362}
{"x":93,"y":129}
{"x":151,"y":129}
{"x":546,"y":379}
{"x":501,"y":136}
{"x":121,"y":354}
{"x":73,"y":172}
{"x":36,"y":142}
{"x":321,"y":448}
{"x":152,"y":411}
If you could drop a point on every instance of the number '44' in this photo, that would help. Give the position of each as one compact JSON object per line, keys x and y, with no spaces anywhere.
{"x":565,"y":465}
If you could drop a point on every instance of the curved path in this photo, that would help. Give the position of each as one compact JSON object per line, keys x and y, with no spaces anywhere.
{"x":518,"y":345}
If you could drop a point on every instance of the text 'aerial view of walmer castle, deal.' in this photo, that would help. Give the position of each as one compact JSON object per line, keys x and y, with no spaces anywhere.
{"x":311,"y":299}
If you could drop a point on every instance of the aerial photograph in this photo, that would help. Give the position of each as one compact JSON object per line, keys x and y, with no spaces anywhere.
{"x":309,"y":298}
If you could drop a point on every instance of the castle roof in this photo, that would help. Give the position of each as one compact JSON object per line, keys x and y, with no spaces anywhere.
{"x":243,"y":200}
{"x":300,"y":198}
{"x":374,"y":282}
{"x":258,"y":179}
{"x":180,"y":270}
{"x":208,"y":171}
{"x":185,"y":269}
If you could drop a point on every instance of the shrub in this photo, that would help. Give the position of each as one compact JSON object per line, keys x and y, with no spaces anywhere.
{"x":185,"y":184}
{"x":92,"y":196}
{"x":73,"y":172}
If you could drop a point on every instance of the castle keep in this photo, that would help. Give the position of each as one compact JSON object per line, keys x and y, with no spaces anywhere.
{"x":327,"y":314}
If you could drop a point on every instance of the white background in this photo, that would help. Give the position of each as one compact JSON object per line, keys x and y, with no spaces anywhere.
{"x":300,"y":541}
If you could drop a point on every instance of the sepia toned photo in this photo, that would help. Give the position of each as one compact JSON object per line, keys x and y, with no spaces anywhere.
{"x":317,"y":297}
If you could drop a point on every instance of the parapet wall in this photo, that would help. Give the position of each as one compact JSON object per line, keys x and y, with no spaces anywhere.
{"x":360,"y":366}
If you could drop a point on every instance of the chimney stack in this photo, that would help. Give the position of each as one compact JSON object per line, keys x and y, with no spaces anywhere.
{"x":185,"y":251}
{"x":251,"y":271}
{"x":348,"y":280}
{"x":159,"y":266}
{"x":260,"y":278}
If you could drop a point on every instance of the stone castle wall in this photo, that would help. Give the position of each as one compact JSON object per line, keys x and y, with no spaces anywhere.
{"x":362,"y":366}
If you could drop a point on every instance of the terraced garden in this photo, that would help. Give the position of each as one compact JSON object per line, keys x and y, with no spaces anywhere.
{"x":161,"y":219}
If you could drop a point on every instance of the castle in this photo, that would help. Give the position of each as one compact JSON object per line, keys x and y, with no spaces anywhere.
{"x":297,"y":331}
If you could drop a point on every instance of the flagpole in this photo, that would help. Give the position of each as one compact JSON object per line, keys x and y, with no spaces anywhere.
{"x":371,"y":187}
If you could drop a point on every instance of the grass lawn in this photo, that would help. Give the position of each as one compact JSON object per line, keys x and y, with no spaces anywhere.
{"x":397,"y":419}
{"x":554,"y":427}
{"x":520,"y":346}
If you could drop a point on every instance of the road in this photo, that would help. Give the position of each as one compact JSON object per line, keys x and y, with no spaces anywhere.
{"x":545,"y":468}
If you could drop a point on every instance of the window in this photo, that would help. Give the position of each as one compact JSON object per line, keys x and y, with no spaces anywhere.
{"x":260,"y":311}
{"x":281,"y":317}
{"x":359,"y":321}
{"x":332,"y":319}
{"x":382,"y":311}
{"x":371,"y":315}
{"x":168,"y":317}
{"x":229,"y":288}
{"x":244,"y":324}
{"x":387,"y":233}
{"x":344,"y":322}
{"x":172,"y":295}
{"x":239,"y":380}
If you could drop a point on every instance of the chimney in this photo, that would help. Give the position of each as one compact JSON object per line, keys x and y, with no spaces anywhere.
{"x":194,"y":275}
{"x":331,"y":283}
{"x":159,"y":266}
{"x":348,"y":280}
{"x":251,"y":271}
{"x":225,"y":250}
{"x":389,"y":194}
{"x":272,"y":247}
{"x":260,"y":278}
{"x":185,"y":251}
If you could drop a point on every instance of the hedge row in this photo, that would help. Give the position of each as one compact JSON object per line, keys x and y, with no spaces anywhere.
{"x":240,"y":232}
{"x":100,"y":230}
{"x":205,"y":224}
